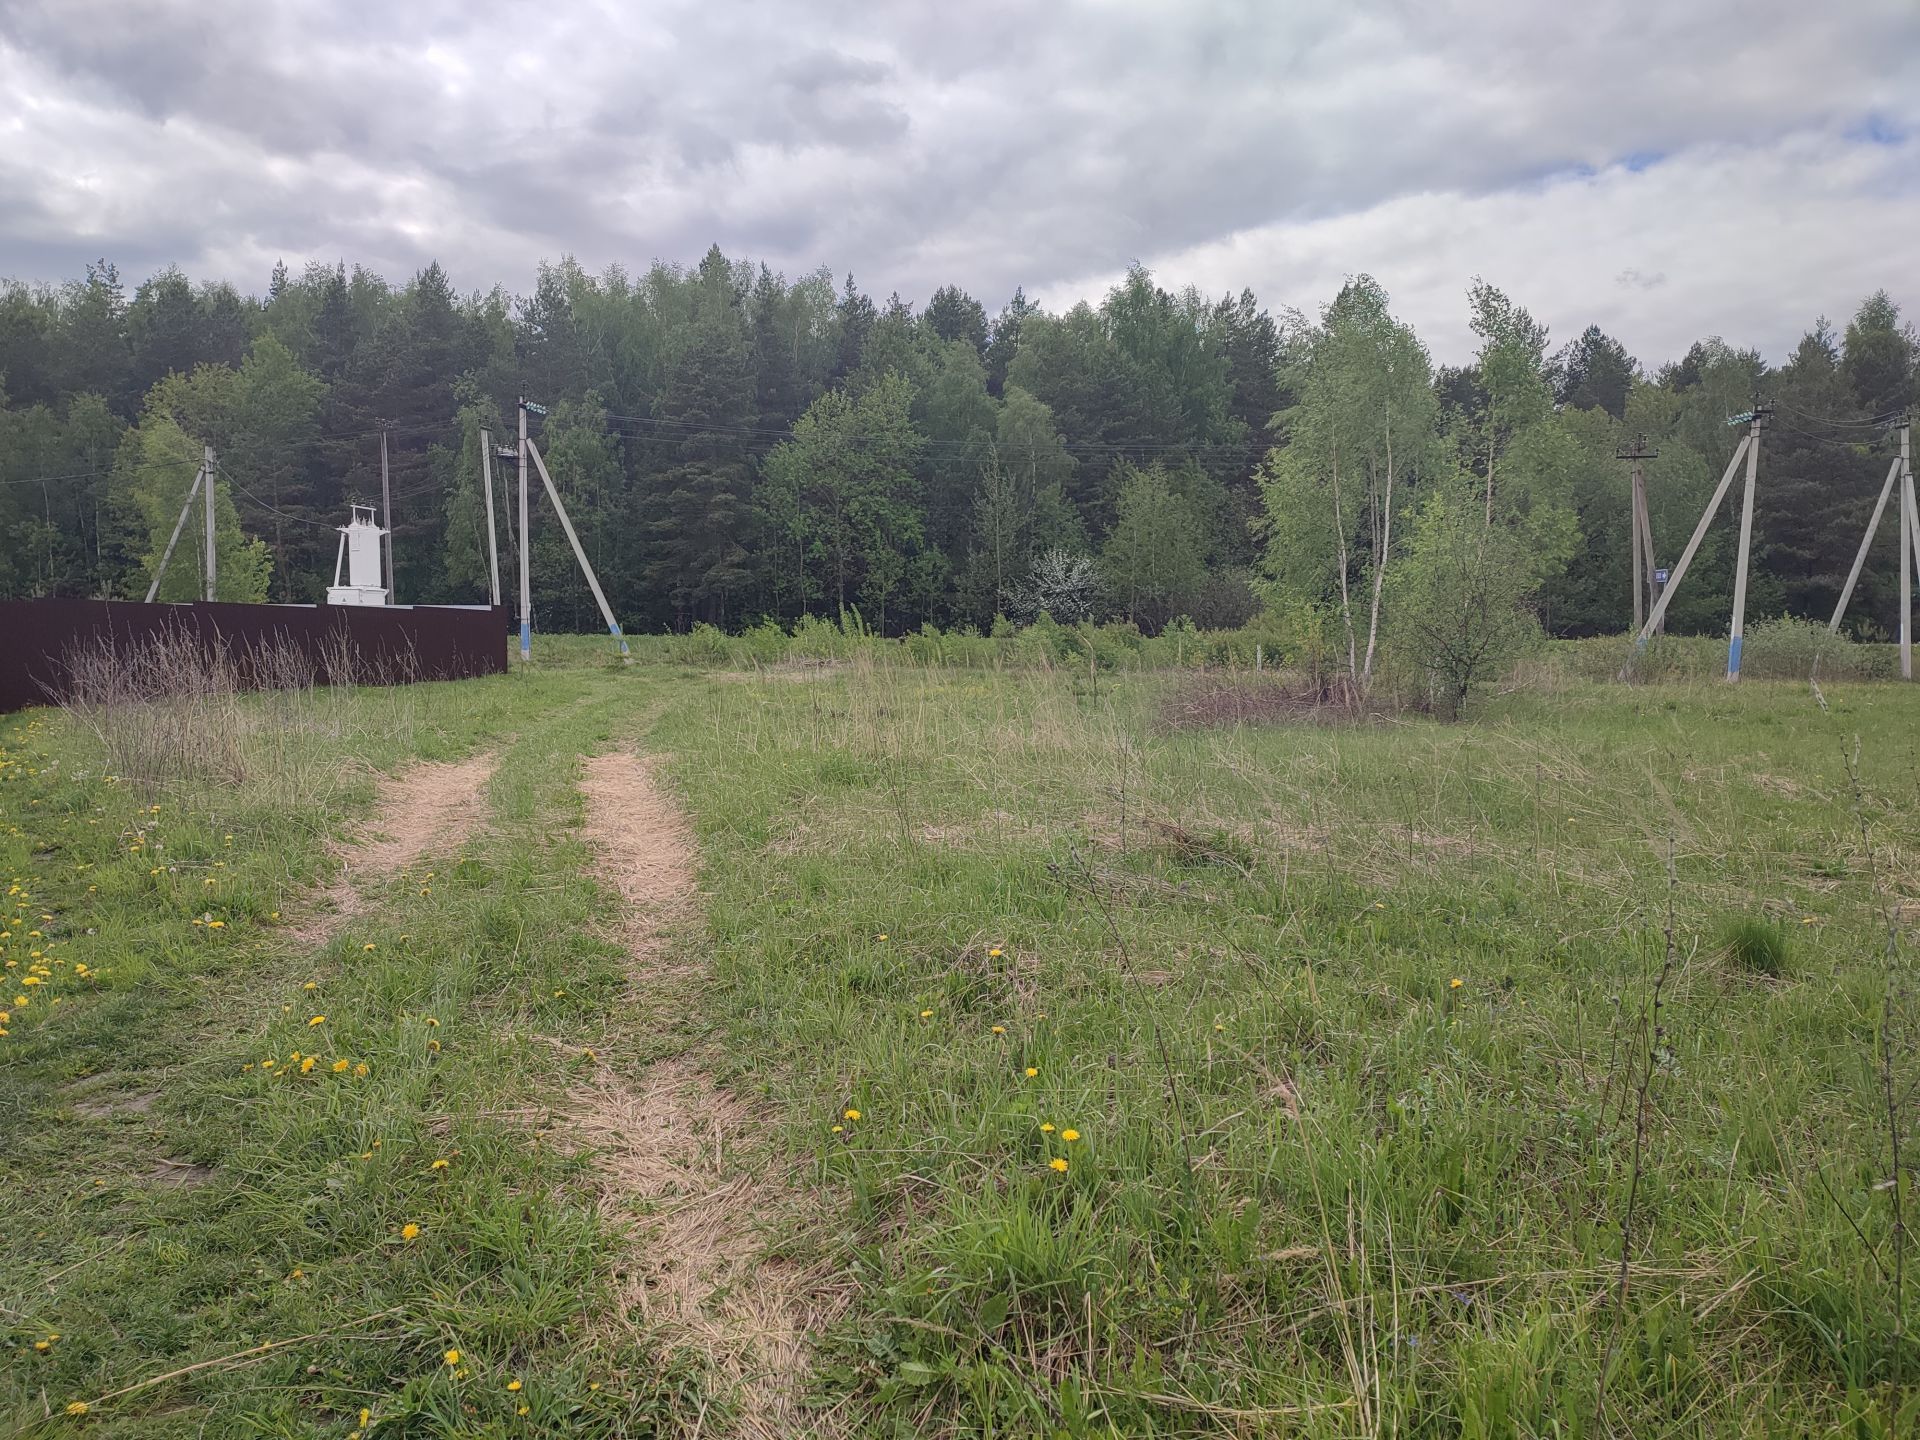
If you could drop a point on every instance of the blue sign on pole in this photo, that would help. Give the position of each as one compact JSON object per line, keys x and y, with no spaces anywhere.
{"x":1659,"y":577}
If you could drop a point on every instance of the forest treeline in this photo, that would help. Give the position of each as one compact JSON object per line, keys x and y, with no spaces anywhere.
{"x":734,"y":446}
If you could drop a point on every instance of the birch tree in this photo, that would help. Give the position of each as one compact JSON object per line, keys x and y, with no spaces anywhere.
{"x":1362,"y":429}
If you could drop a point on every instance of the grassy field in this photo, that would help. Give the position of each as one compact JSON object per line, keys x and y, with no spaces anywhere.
{"x":1109,"y":1077}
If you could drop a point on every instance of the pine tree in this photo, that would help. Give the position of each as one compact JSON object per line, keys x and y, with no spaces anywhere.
{"x":700,"y":512}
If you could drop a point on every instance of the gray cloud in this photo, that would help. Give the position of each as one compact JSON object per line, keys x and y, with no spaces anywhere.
{"x":989,"y":145}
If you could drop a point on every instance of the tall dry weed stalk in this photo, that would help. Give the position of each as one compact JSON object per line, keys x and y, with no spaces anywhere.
{"x":195,"y":719}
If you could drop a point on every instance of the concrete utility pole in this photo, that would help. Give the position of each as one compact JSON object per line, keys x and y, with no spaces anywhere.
{"x":1900,"y":474}
{"x":1659,"y":615}
{"x":206,"y":470}
{"x":1910,"y":527}
{"x":1754,"y":418}
{"x":166,"y":557}
{"x":493,"y":545}
{"x":1866,"y":542}
{"x":526,"y":585}
{"x":579,"y":553}
{"x":1638,"y":452}
{"x":386,"y":513}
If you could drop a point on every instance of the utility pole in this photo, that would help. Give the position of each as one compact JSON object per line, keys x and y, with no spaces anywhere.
{"x":1910,"y":518}
{"x":1755,"y":418}
{"x":579,"y":552}
{"x":1639,"y":451}
{"x":166,"y":557}
{"x":1672,"y":587}
{"x":526,"y":585}
{"x":1894,"y":474}
{"x":206,"y":470}
{"x":386,"y":513}
{"x":493,"y":545}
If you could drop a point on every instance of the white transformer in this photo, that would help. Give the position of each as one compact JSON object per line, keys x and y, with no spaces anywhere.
{"x":360,"y":558}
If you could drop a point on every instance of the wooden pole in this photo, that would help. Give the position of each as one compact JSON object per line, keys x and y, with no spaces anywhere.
{"x":1866,"y":542}
{"x":166,"y":556}
{"x":493,"y":545}
{"x":1738,"y":630}
{"x":1641,"y":541}
{"x":1693,"y":545}
{"x":386,"y":516}
{"x":526,"y":544}
{"x":206,"y":469}
{"x":593,"y":581}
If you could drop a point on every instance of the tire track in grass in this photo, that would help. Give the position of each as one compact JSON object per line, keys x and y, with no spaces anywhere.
{"x":427,"y":808}
{"x":696,"y":1268}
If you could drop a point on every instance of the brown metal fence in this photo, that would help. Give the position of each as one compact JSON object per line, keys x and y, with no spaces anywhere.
{"x":422,"y":642}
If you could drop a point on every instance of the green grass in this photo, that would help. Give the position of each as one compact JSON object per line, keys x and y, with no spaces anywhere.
{"x":1318,"y":1188}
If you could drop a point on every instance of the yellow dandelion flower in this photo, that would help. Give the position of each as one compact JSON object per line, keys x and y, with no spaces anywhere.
{"x":42,"y":1346}
{"x":879,"y":937}
{"x":1032,"y":1071}
{"x":524,"y":1410}
{"x":995,"y":952}
{"x":77,"y":1407}
{"x":1057,"y":1163}
{"x":1069,"y":1135}
{"x":850,"y":1115}
{"x":999,"y":1029}
{"x":311,"y":985}
{"x":513,"y":1387}
{"x":432,"y":1023}
{"x":433,"y":1047}
{"x":1455,"y":983}
{"x":409,"y":1231}
{"x":439,"y":1165}
{"x":839,"y":1129}
{"x":453,"y":1357}
{"x":366,"y":1154}
{"x":369,"y":946}
{"x":317,"y":1020}
{"x":360,"y":1071}
{"x":587,"y":1053}
{"x":926,"y":1014}
{"x":1047,"y":1128}
{"x":306,"y":1065}
{"x":338,"y":1066}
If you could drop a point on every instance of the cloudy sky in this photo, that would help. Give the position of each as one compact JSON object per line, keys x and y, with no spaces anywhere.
{"x":1667,"y":170}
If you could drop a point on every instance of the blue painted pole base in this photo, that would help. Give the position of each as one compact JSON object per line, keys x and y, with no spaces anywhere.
{"x":1733,"y":658}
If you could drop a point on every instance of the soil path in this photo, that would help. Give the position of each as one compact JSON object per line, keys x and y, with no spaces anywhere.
{"x":696,"y":1268}
{"x":428,"y":807}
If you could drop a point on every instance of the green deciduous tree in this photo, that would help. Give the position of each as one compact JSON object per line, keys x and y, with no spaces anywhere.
{"x":1460,"y":611}
{"x":842,"y":497}
{"x":1155,"y":555}
{"x":1361,"y":430}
